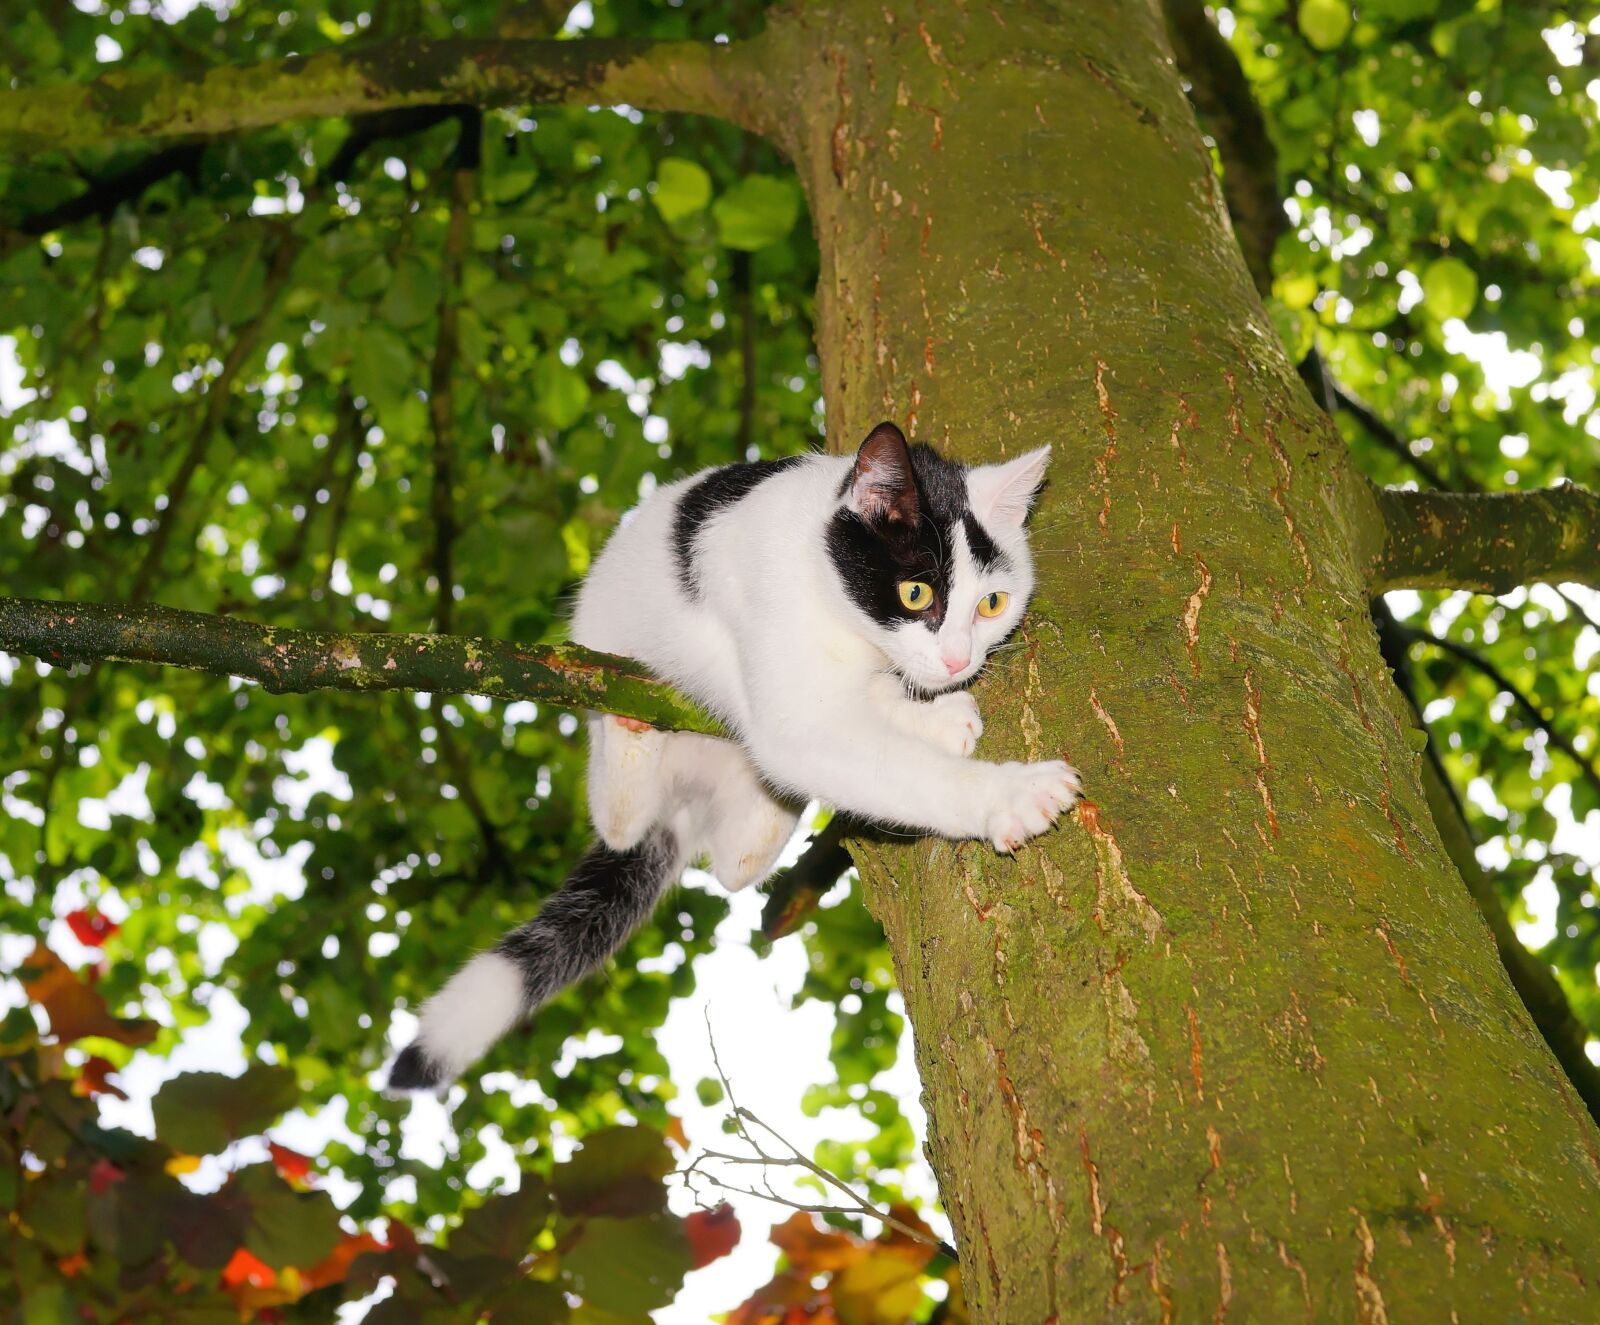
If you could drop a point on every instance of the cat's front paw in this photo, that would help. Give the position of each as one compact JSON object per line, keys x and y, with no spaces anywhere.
{"x":1032,"y":797}
{"x":951,"y":722}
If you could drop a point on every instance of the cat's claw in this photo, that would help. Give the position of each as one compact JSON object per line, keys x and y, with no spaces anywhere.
{"x":1034,"y":797}
{"x":633,"y":724}
{"x":952,"y":723}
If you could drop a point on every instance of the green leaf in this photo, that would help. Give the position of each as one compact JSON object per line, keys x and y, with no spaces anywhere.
{"x":505,"y":1226}
{"x":682,"y":188}
{"x":1449,"y":288}
{"x":618,"y":1170}
{"x":563,"y":394}
{"x":757,"y":211}
{"x":1324,"y":23}
{"x":629,"y":1265}
{"x":381,"y":366}
{"x":200,"y":1113}
{"x":286,"y":1227}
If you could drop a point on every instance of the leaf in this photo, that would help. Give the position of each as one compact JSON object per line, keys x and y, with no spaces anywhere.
{"x":201,"y":1113}
{"x":757,"y":211}
{"x":712,"y":1234}
{"x":882,"y":1288}
{"x":90,"y":927}
{"x":815,"y":1250}
{"x":1449,"y":288}
{"x":682,"y":188}
{"x":178,"y":1165}
{"x":286,"y":1228}
{"x":76,"y":1010}
{"x":506,"y":1225}
{"x":563,"y":394}
{"x":95,"y":1079}
{"x":1324,"y":23}
{"x":381,"y":368}
{"x":291,"y":1165}
{"x":629,"y":1264}
{"x":617,"y":1171}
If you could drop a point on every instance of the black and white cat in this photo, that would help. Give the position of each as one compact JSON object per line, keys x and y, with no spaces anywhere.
{"x":827,"y":609}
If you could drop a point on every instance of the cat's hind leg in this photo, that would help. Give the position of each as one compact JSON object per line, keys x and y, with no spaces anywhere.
{"x":740,"y":824}
{"x":625,"y":779}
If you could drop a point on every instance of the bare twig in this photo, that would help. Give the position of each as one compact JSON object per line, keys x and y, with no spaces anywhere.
{"x":858,"y":1205}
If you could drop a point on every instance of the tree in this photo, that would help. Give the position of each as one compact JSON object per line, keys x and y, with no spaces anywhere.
{"x":1237,"y":1040}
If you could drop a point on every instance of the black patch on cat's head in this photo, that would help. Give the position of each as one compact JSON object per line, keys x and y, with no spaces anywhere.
{"x":903,"y":504}
{"x":718,"y":490}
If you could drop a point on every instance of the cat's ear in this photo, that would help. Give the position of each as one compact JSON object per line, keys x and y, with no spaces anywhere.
{"x":882,"y":486}
{"x":1002,"y":495}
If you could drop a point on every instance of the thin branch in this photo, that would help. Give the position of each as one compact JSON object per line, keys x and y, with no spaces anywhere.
{"x":441,"y":378}
{"x":1488,"y":542}
{"x":794,"y":893}
{"x":109,"y":192}
{"x":1391,"y":441}
{"x":296,"y":661}
{"x":1524,"y":701}
{"x":794,"y":1159}
{"x":1221,"y":96}
{"x":687,"y":76}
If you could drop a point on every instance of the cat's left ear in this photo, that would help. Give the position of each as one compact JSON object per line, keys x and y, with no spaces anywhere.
{"x":1003,"y":495}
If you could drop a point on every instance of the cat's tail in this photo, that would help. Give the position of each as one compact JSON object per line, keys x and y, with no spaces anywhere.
{"x":609,"y":895}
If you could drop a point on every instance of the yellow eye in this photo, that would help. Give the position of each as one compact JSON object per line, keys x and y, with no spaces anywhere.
{"x":917,"y":596}
{"x":993,"y":604}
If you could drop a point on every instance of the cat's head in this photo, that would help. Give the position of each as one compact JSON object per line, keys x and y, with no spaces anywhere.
{"x":934,"y":553}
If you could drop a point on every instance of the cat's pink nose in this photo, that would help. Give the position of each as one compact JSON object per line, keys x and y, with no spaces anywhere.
{"x":954,"y":665}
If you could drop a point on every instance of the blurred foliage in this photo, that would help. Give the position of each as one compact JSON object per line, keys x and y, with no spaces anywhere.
{"x":227,"y":353}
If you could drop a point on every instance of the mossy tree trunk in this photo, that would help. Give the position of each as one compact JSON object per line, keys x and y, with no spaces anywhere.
{"x":1233,"y":1044}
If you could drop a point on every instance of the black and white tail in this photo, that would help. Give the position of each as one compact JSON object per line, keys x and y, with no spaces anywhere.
{"x":609,"y":895}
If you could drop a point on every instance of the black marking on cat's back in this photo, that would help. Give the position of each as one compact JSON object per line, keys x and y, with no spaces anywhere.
{"x":718,"y":490}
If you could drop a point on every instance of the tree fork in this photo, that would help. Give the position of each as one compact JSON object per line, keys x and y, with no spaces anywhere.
{"x":1235,"y":1044}
{"x":296,"y":661}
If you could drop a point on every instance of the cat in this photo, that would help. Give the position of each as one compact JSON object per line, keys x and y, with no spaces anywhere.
{"x":829,"y":611}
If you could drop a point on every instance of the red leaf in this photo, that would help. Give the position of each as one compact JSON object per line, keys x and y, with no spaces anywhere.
{"x":246,"y":1269}
{"x":103,"y":1176}
{"x":292,"y":1166}
{"x":712,"y":1234}
{"x":95,"y":1079}
{"x":91,"y":928}
{"x":333,"y":1267}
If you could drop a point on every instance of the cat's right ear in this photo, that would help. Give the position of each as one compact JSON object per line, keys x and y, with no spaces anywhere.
{"x":882,"y":485}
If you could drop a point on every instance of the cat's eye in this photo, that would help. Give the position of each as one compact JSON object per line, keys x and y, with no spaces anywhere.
{"x":993,"y":604}
{"x":916,"y":595}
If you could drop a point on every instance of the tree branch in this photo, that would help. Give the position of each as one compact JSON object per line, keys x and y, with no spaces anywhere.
{"x":296,"y":661}
{"x":1524,"y":701}
{"x":695,"y":77}
{"x":1221,"y":96}
{"x":1487,"y":542}
{"x":1391,"y":441}
{"x":793,"y":893}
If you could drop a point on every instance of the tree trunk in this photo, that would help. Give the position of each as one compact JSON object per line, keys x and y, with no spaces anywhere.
{"x":1234,"y":1043}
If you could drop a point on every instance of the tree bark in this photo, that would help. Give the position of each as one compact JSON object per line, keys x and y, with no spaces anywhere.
{"x":676,"y":75}
{"x":1488,"y":541}
{"x":1234,"y":1044}
{"x":296,"y":661}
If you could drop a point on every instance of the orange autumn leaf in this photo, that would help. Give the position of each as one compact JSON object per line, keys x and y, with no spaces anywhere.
{"x":74,"y":1008}
{"x":815,"y":1250}
{"x":247,"y":1270}
{"x":70,"y":1267}
{"x":333,"y":1267}
{"x":674,"y":1132}
{"x":292,"y":1166}
{"x":178,"y":1165}
{"x":712,"y":1234}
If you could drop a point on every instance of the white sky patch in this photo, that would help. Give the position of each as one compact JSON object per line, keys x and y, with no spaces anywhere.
{"x":1367,"y":125}
{"x":1504,"y":369}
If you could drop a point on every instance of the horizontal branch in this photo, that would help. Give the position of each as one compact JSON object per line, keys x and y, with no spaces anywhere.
{"x":1488,"y":542}
{"x":668,"y":75}
{"x":295,"y":661}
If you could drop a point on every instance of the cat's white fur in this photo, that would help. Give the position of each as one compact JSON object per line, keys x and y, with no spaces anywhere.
{"x":815,"y":688}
